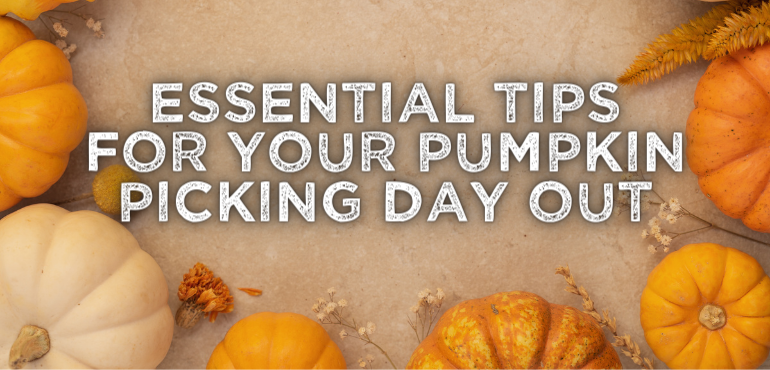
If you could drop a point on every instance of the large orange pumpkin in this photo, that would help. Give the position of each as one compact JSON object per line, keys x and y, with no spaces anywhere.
{"x":707,"y":306}
{"x":728,"y":136}
{"x":268,"y":340}
{"x":42,"y":115}
{"x":514,"y":330}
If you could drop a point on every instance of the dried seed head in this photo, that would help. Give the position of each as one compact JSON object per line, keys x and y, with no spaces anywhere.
{"x":60,"y":30}
{"x":107,"y":186}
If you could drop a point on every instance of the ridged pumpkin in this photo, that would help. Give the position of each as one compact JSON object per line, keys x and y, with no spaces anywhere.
{"x":42,"y":115}
{"x":268,"y":340}
{"x":514,"y":330}
{"x":728,"y":136}
{"x":29,"y":9}
{"x":707,"y":306}
{"x":81,"y":279}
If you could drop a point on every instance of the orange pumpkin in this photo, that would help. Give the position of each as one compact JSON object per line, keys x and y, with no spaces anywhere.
{"x":268,"y":340}
{"x":728,"y":136}
{"x":42,"y":115}
{"x":29,"y":9}
{"x":707,"y":306}
{"x":514,"y":330}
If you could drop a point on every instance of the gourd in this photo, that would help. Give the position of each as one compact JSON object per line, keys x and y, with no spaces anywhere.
{"x":30,"y":9}
{"x":707,"y":306}
{"x":42,"y":115}
{"x":268,"y":340}
{"x":514,"y":330}
{"x":728,"y":136}
{"x":77,"y":291}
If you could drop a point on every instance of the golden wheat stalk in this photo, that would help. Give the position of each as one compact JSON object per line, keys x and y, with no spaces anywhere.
{"x":741,"y":30}
{"x":628,"y":347}
{"x":683,"y":45}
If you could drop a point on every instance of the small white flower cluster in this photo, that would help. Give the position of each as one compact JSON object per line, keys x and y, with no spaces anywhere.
{"x":670,"y":211}
{"x":66,"y":49}
{"x":325,"y":310}
{"x":95,"y":26}
{"x":366,"y":362}
{"x":428,"y":299}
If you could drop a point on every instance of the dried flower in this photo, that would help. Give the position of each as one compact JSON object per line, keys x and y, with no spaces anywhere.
{"x":321,"y":301}
{"x":315,"y":308}
{"x":645,"y":234}
{"x":320,"y":316}
{"x":415,"y":308}
{"x":362,"y":330}
{"x":342,"y":303}
{"x":665,"y":240}
{"x":370,"y":328}
{"x":440,"y":294}
{"x":369,"y":358}
{"x":361,"y":363}
{"x":652,"y":249}
{"x":331,"y":291}
{"x":343,"y":334}
{"x":90,"y":23}
{"x":629,"y":347}
{"x":202,"y":293}
{"x":61,"y":44}
{"x":330,"y":307}
{"x":60,"y":30}
{"x":654,"y":222}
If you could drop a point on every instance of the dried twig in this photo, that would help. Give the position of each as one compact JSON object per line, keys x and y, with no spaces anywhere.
{"x":627,"y":346}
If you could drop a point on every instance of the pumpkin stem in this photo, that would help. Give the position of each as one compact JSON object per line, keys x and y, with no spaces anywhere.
{"x":188,"y":314}
{"x":712,"y":317}
{"x":31,"y":344}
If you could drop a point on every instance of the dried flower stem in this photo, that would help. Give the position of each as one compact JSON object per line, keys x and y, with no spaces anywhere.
{"x":427,"y":310}
{"x":330,"y":313}
{"x":628,"y":347}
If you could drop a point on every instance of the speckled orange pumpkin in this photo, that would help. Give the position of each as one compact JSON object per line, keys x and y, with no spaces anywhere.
{"x":514,"y":330}
{"x":707,"y":306}
{"x":728,"y":136}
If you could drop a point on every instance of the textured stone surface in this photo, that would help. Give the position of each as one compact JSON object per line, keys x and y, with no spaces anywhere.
{"x":379,"y":267}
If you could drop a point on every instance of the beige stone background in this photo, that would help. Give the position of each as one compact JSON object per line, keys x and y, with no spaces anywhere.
{"x":379,"y":267}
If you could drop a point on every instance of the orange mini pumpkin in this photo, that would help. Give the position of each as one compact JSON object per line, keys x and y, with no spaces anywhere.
{"x":514,"y":330}
{"x":728,"y":136}
{"x":707,"y":306}
{"x":268,"y":340}
{"x":42,"y":115}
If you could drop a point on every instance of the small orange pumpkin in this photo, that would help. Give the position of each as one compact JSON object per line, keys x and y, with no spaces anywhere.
{"x":42,"y":115}
{"x":268,"y":340}
{"x":29,"y":9}
{"x":707,"y":306}
{"x":514,"y":330}
{"x":728,"y":136}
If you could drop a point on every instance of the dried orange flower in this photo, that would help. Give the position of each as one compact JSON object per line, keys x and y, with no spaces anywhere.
{"x":251,"y":291}
{"x":202,"y":294}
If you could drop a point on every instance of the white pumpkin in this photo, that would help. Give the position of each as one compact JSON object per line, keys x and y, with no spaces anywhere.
{"x":83,"y":278}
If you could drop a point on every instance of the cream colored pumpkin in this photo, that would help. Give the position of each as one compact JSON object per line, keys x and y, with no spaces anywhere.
{"x":82,"y":277}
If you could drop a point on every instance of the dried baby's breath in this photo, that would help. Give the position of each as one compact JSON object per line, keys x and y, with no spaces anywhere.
{"x":426,"y":312}
{"x":659,"y":236}
{"x":331,"y":313}
{"x":628,"y":347}
{"x":58,"y":22}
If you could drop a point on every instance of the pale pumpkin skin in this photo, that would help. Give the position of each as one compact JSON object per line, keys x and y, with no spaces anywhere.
{"x":728,"y":136}
{"x":42,"y":115}
{"x":268,"y":340}
{"x":684,"y":283}
{"x":514,"y":330}
{"x":83,"y":277}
